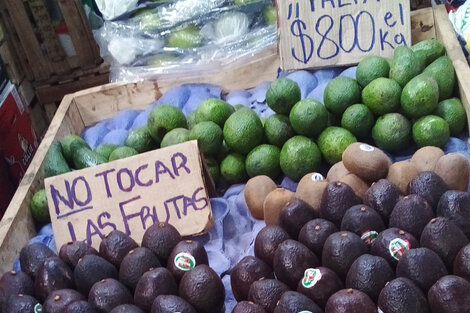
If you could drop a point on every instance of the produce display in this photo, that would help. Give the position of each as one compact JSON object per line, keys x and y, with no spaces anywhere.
{"x":357,"y":242}
{"x":373,"y":235}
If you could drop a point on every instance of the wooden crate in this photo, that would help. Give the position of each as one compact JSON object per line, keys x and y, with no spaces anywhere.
{"x":30,"y":30}
{"x":419,"y":4}
{"x":85,"y":108}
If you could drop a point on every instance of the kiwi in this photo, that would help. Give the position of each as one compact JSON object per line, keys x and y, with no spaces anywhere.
{"x":310,"y":190}
{"x":256,"y":190}
{"x":454,"y":171}
{"x":275,"y":201}
{"x":401,"y":173}
{"x":337,"y":172}
{"x":367,"y":162}
{"x":359,"y":186}
{"x":426,"y":158}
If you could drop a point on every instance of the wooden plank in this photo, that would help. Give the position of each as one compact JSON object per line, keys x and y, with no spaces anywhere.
{"x":117,"y":97}
{"x":82,"y":37}
{"x":50,"y":110}
{"x":422,"y":25}
{"x":38,"y":118}
{"x":445,"y":32}
{"x":26,"y":92}
{"x":40,"y":67}
{"x":14,"y":71}
{"x":55,"y":93}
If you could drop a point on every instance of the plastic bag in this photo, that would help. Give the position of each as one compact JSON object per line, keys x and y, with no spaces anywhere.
{"x":185,"y":36}
{"x":461,"y":21}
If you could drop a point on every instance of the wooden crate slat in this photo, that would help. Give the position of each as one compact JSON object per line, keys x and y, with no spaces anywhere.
{"x":82,"y":37}
{"x":14,"y":72}
{"x":43,"y":20}
{"x":26,"y":34}
{"x":422,"y":25}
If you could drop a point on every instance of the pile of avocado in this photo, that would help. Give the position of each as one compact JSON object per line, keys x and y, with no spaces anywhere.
{"x":166,"y":274}
{"x":370,"y":237}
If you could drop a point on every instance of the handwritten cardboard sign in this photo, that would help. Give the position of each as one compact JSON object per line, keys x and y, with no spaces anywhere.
{"x":165,"y":185}
{"x":320,"y":33}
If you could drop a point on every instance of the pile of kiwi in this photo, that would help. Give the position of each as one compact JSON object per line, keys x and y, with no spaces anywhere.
{"x":373,"y":236}
{"x":165,"y":275}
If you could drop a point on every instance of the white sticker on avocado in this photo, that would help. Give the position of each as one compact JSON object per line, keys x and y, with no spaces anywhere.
{"x":311,"y":277}
{"x":369,"y":236}
{"x":305,"y":312}
{"x":398,"y":247}
{"x":185,"y":261}
{"x":366,"y":148}
{"x":317,"y":177}
{"x":379,"y":310}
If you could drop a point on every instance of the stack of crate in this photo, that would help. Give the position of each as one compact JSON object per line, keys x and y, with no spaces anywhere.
{"x":419,"y":4}
{"x":35,"y":53}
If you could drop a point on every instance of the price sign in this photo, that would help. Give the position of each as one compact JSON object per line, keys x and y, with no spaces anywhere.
{"x":320,"y":33}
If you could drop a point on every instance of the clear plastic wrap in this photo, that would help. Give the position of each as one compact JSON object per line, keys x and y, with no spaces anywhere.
{"x":185,"y":36}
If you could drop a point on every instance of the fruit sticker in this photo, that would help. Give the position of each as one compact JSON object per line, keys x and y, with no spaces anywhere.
{"x":398,"y":247}
{"x":305,"y":312}
{"x":369,"y":236}
{"x":366,"y":148}
{"x":311,"y":277}
{"x":185,"y":261}
{"x":38,"y":308}
{"x":317,"y":177}
{"x":379,"y":310}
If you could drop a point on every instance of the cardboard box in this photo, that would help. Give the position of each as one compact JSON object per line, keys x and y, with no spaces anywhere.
{"x":18,"y":139}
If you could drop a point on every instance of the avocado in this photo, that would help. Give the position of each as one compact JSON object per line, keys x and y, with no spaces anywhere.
{"x":450,"y":295}
{"x":115,"y":246}
{"x":267,"y":241}
{"x":363,"y":220}
{"x":291,"y":259}
{"x":84,"y":157}
{"x":266,"y":293}
{"x":294,"y":302}
{"x":445,"y":238}
{"x":58,"y":300}
{"x":350,"y":300}
{"x":171,"y":304}
{"x":420,"y":96}
{"x":248,"y":307}
{"x":186,"y":255}
{"x":423,"y":266}
{"x":14,"y":283}
{"x":91,"y":269}
{"x":154,"y":283}
{"x":53,"y":274}
{"x":107,"y":294}
{"x":140,"y":140}
{"x":455,"y":205}
{"x":126,"y":308}
{"x":427,"y":51}
{"x":392,"y":243}
{"x":210,"y":298}
{"x":32,"y":256}
{"x":443,"y":72}
{"x":412,"y":213}
{"x":405,"y":65}
{"x":340,"y":251}
{"x":336,"y":200}
{"x":402,"y":295}
{"x":66,"y":145}
{"x":161,"y":238}
{"x":21,"y":304}
{"x":54,"y":162}
{"x":71,"y":252}
{"x":105,"y":150}
{"x":80,"y":306}
{"x":369,"y":274}
{"x":382,"y":196}
{"x":314,"y":234}
{"x":294,"y":216}
{"x":319,"y":284}
{"x":135,"y":264}
{"x":429,"y":186}
{"x":247,"y":271}
{"x":462,"y":263}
